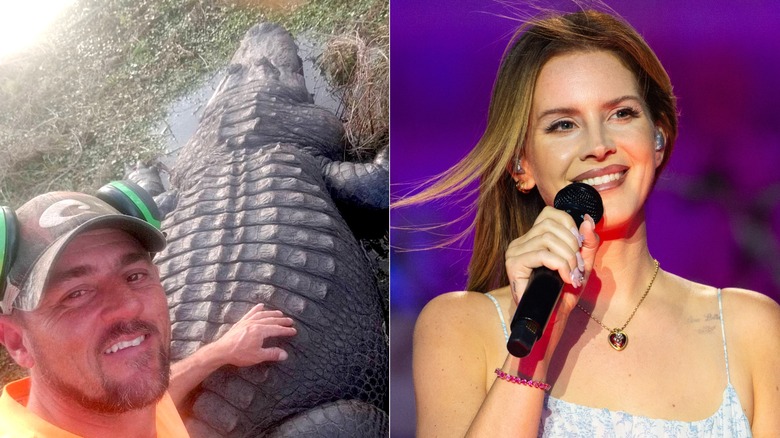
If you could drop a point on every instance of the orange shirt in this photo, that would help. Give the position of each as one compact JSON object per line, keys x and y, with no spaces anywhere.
{"x":17,"y":422}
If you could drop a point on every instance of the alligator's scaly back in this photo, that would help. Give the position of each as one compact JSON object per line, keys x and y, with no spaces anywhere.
{"x":254,"y":221}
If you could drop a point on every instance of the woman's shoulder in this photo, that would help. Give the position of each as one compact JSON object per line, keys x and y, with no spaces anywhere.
{"x":461,"y":330}
{"x":465,"y":314}
{"x":751,"y":320}
{"x":751,"y":309}
{"x":739,"y":304}
{"x":752,"y":323}
{"x":461,"y":304}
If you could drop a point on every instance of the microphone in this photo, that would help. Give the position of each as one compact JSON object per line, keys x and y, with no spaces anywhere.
{"x":545,"y":285}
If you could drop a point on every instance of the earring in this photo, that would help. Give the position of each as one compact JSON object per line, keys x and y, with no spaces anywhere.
{"x":659,"y":140}
{"x":518,"y":167}
{"x":520,"y":185}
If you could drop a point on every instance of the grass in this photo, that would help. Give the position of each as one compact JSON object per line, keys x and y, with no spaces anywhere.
{"x":80,"y":107}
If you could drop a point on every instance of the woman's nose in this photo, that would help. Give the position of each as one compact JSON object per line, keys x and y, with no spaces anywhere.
{"x":598,"y":145}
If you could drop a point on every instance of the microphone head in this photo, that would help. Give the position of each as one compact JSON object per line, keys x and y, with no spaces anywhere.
{"x":579,"y":199}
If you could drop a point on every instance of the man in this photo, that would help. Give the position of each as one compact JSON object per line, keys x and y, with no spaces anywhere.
{"x":85,"y":312}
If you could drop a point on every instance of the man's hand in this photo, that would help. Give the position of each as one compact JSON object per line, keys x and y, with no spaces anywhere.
{"x":242,"y":345}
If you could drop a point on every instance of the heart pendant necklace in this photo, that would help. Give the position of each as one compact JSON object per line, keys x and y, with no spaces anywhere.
{"x":617,"y":338}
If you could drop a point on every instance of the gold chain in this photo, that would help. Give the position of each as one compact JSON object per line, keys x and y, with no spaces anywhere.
{"x":657,"y":265}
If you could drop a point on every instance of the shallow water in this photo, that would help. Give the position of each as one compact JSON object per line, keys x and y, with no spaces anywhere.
{"x":184,"y":114}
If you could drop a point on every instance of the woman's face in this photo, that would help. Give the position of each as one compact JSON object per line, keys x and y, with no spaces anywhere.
{"x":589,"y":124}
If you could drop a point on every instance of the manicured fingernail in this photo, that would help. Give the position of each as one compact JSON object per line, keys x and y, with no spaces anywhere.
{"x":283,"y":355}
{"x":576,"y":278}
{"x":580,"y":237}
{"x":590,"y":219}
{"x":580,"y":262}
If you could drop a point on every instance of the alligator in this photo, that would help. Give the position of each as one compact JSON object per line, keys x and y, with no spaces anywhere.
{"x":252,"y":216}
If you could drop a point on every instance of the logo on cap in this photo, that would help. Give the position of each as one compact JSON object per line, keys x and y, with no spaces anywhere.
{"x":61,"y":212}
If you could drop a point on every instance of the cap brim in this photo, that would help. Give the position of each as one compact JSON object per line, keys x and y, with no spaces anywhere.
{"x":147,"y":235}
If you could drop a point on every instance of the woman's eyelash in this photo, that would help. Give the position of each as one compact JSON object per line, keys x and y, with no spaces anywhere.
{"x":630,"y":112}
{"x":558,"y":126}
{"x":565,"y":125}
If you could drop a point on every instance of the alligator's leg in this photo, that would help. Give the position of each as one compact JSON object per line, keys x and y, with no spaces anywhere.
{"x":149,"y":178}
{"x":344,"y":418}
{"x":360,"y":185}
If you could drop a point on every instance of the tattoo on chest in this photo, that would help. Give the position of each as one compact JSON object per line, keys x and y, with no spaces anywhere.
{"x":705,"y":329}
{"x":704,"y":324}
{"x":712,"y":317}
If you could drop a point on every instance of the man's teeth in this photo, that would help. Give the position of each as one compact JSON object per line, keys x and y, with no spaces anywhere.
{"x":122,"y":345}
{"x":602,"y":179}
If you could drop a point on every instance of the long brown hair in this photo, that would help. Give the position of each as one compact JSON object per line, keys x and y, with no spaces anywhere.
{"x":503,"y":213}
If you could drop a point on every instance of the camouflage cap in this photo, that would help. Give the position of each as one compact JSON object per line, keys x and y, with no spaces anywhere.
{"x":46,"y":224}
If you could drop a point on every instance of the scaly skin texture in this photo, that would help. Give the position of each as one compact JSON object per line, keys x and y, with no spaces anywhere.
{"x":252,"y":218}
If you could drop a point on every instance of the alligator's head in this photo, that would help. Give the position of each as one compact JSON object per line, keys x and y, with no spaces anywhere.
{"x":267,"y":54}
{"x":265,"y":101}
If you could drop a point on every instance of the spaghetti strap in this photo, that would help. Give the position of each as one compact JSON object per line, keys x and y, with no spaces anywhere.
{"x":723,"y":331}
{"x":500,"y":314}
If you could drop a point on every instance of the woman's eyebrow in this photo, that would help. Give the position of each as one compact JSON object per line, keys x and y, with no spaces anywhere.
{"x":567,"y":111}
{"x":564,"y":111}
{"x":621,"y":99}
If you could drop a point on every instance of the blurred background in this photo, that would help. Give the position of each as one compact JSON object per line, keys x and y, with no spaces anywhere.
{"x":714,"y":216}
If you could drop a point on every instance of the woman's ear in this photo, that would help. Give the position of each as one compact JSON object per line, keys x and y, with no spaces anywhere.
{"x":12,"y":337}
{"x":522,"y":175}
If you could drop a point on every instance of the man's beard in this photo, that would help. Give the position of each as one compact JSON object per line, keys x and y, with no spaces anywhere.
{"x":110,"y":396}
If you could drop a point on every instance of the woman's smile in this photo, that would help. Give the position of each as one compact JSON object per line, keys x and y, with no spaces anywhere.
{"x":604,"y":178}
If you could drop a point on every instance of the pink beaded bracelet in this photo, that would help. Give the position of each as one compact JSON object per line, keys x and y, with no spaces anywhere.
{"x":520,"y":381}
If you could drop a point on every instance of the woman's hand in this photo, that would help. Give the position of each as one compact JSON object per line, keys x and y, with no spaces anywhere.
{"x":554,"y":242}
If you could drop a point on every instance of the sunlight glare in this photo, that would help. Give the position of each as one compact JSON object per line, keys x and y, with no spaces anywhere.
{"x":22,"y":21}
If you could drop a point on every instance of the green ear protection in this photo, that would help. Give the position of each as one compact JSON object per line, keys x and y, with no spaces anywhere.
{"x":8,"y":242}
{"x":131,"y":199}
{"x":125,"y":196}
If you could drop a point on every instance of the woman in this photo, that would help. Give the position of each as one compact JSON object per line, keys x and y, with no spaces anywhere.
{"x":582,"y":98}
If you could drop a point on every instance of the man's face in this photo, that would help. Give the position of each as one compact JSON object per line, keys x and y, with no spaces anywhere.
{"x":101,"y":334}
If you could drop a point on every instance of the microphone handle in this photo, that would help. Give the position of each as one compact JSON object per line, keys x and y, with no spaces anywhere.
{"x":534,"y":309}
